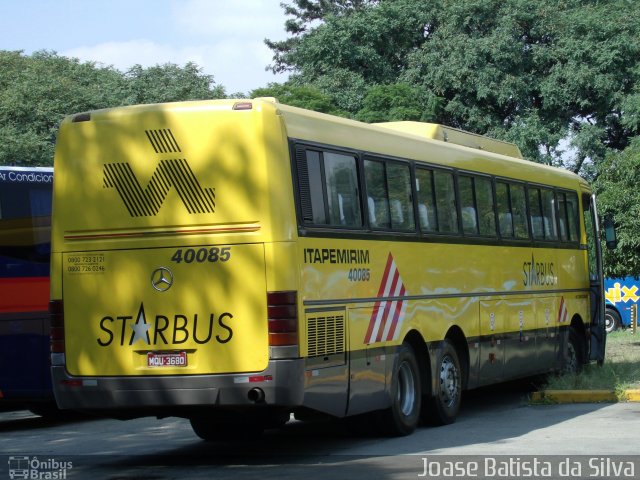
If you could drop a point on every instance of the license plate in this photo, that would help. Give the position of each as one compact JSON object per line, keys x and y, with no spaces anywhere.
{"x":167,"y":359}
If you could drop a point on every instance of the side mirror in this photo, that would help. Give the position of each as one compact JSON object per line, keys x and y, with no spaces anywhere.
{"x":610,"y":232}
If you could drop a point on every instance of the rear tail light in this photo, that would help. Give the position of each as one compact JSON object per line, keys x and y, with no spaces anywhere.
{"x":56,"y":317}
{"x":282,"y":317}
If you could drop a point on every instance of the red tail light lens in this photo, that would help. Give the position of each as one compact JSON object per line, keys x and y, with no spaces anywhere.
{"x":282,"y":318}
{"x":56,"y":317}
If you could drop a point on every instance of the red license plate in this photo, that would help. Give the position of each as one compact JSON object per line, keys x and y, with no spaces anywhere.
{"x":167,"y":359}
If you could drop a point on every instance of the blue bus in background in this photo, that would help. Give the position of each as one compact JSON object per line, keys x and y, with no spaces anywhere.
{"x":25,"y":246}
{"x":620,"y":294}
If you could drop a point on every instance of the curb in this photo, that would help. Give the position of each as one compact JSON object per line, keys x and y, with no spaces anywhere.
{"x":583,"y":396}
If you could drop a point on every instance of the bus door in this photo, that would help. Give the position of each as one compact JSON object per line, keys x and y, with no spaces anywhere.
{"x":598,"y":336}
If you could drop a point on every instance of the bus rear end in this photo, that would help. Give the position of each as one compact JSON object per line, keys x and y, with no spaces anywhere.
{"x":166,"y":219}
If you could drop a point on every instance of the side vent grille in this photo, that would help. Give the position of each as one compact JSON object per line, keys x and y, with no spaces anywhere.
{"x":325,"y":335}
{"x":163,"y":141}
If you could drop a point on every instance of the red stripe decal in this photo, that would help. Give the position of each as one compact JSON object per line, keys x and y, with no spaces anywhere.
{"x":376,"y":308}
{"x":387,"y":315}
{"x":396,"y":315}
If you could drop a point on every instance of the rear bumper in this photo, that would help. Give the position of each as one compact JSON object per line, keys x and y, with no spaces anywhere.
{"x":282,"y":384}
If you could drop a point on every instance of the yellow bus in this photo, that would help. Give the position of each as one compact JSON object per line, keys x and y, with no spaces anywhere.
{"x":236,"y":261}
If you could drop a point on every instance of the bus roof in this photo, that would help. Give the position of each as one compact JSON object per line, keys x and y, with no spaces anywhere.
{"x":435,"y":131}
{"x":449,"y":147}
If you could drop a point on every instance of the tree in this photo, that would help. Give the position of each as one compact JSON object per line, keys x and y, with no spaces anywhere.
{"x":556,"y":77}
{"x":307,"y":97}
{"x":38,"y":91}
{"x":396,"y":102}
{"x":618,"y":190}
{"x":307,"y":13}
{"x":357,"y":45}
{"x":169,"y":83}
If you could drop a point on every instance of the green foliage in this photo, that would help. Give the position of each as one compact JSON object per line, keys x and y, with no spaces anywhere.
{"x":538,"y":73}
{"x":618,"y":189}
{"x":38,"y":91}
{"x":305,"y":14}
{"x":357,"y":44}
{"x":169,"y":83}
{"x":396,"y":102}
{"x":307,"y":97}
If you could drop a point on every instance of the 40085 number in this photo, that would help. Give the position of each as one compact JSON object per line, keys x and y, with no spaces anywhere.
{"x":202,"y":255}
{"x":359,"y":275}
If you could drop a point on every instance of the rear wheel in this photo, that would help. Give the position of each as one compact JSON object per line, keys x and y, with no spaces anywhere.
{"x":443,"y":407}
{"x":612,"y":320}
{"x":406,"y":395}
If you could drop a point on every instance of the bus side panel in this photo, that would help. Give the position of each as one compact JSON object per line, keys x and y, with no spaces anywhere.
{"x":520,"y":342}
{"x":492,"y":344}
{"x":367,"y":367}
{"x":546,"y":333}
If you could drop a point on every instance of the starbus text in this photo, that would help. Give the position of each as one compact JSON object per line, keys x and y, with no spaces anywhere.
{"x":165,"y":329}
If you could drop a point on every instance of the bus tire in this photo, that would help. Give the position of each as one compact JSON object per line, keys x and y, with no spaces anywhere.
{"x":573,"y":353}
{"x":612,"y":320}
{"x":406,"y":395}
{"x":442,"y":408}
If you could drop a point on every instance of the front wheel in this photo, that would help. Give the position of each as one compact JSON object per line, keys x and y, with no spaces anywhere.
{"x":406,"y":395}
{"x":573,"y":354}
{"x":443,"y":406}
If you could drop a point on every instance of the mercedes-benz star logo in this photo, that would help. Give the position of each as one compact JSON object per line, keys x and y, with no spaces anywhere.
{"x":162,"y":279}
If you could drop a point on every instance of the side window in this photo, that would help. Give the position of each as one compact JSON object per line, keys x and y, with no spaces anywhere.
{"x":468,"y":205}
{"x":505,"y":218}
{"x":426,"y":200}
{"x":512,"y":210}
{"x":341,"y":178}
{"x":400,"y":203}
{"x":446,"y":208}
{"x":519,"y":208}
{"x":572,"y":217}
{"x":549,"y":214}
{"x":377,"y":197}
{"x":535,"y":209}
{"x":389,"y":200}
{"x":314,"y":169}
{"x":484,"y":203}
{"x":562,"y":216}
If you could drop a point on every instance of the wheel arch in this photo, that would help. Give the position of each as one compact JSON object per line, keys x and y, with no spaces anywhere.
{"x":417,"y":342}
